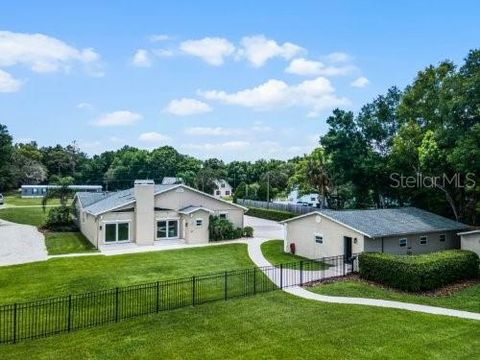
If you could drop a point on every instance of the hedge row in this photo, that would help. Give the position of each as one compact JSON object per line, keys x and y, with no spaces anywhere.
{"x":416,"y":273}
{"x":269,"y":214}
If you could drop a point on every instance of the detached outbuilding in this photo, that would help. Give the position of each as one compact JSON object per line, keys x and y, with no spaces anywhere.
{"x":402,"y":231}
{"x":470,"y":240}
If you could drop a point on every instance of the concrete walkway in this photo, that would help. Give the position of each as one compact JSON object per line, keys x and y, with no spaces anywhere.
{"x":255,"y":253}
{"x":20,"y":244}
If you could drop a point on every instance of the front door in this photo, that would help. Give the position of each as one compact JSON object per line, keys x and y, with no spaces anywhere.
{"x":347,"y":240}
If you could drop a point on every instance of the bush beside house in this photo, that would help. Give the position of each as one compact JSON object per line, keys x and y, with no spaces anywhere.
{"x":223,"y":229}
{"x":418,"y":273}
{"x":269,"y":214}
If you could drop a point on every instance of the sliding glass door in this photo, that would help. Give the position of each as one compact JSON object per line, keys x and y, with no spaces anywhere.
{"x":167,"y":229}
{"x":117,"y":232}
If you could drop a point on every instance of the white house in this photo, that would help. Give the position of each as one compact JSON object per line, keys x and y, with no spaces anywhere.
{"x":470,"y":240}
{"x":222,"y":188}
{"x":148,"y":213}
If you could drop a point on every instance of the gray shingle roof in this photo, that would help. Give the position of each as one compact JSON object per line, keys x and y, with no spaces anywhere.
{"x":389,"y":222}
{"x":109,"y":201}
{"x":191,"y":209}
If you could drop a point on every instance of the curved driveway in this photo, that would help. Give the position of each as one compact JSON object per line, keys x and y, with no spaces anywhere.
{"x":20,"y":244}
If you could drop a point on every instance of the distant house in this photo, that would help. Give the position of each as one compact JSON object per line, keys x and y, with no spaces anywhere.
{"x":28,"y":191}
{"x":222,"y":188}
{"x":148,"y":213}
{"x":172,"y":180}
{"x":408,"y":230}
{"x":311,"y":199}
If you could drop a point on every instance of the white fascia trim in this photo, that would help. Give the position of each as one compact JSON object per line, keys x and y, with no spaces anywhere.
{"x":469,"y":232}
{"x":114,"y":208}
{"x":195,"y":210}
{"x":327,"y":217}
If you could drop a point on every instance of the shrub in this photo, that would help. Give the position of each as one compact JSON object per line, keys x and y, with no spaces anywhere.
{"x":417,"y":273}
{"x":248,"y":231}
{"x":59,"y":219}
{"x":223,"y":229}
{"x":269,"y":214}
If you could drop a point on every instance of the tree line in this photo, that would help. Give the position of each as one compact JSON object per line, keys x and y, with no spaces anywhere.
{"x":417,"y":146}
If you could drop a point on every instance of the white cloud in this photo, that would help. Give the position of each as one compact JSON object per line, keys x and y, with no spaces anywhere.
{"x":154,"y":138}
{"x":43,"y":54}
{"x":186,"y":106}
{"x":302,"y":66}
{"x":213,"y":131}
{"x":141,"y":58}
{"x":212,"y":50}
{"x":117,"y":118}
{"x":360,"y":82}
{"x":219,"y":147}
{"x":8,"y":83}
{"x":159,"y":37}
{"x":338,"y":57}
{"x":84,"y":106}
{"x":258,"y":50}
{"x":316,"y":95}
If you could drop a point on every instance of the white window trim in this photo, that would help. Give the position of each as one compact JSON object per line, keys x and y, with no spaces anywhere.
{"x":426,"y":239}
{"x":177,"y":219}
{"x":201,"y":222}
{"x":315,"y":238}
{"x":399,"y":242}
{"x":104,"y":223}
{"x":223,"y":213}
{"x":444,"y":237}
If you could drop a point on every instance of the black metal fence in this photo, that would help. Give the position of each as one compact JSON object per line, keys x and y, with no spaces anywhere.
{"x":45,"y":317}
{"x":293,"y":208}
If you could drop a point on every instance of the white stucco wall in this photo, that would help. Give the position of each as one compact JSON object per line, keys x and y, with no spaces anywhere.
{"x":471,"y":242}
{"x":196,"y":234}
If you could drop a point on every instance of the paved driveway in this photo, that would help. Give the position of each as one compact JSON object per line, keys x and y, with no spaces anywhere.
{"x":264,"y":229}
{"x":20,"y":244}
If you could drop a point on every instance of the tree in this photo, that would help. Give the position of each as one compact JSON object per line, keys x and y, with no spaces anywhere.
{"x":6,"y":149}
{"x":62,"y":192}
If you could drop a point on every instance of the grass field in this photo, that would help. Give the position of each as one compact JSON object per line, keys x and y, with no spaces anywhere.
{"x":274,"y":326}
{"x":466,"y":299}
{"x":273,"y":252}
{"x":63,"y":276}
{"x":67,"y":243}
{"x":30,"y":216}
{"x":17,"y":200}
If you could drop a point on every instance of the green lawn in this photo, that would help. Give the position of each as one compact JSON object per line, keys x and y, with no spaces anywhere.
{"x":63,"y":276}
{"x":30,"y":216}
{"x":273,"y":252}
{"x":67,"y":243}
{"x":466,"y":299}
{"x":269,"y":326}
{"x":17,"y":200}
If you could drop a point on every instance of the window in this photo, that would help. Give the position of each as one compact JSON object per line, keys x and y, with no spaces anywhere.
{"x":227,"y":192}
{"x":222,"y":215}
{"x":442,"y":238}
{"x":117,"y":232}
{"x":167,"y":229}
{"x":217,"y":192}
{"x":222,"y":185}
{"x":402,"y":242}
{"x":199,"y":222}
{"x":319,"y":239}
{"x":423,"y":240}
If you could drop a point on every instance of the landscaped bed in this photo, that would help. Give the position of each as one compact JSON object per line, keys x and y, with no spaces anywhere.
{"x":273,"y":252}
{"x":463,"y":295}
{"x":273,"y":325}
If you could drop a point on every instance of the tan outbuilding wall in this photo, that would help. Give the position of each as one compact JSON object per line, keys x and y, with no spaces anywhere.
{"x":470,"y":240}
{"x":196,"y":227}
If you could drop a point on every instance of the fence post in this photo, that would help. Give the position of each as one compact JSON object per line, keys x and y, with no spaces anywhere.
{"x":343,"y":259}
{"x":116,"y":303}
{"x":69,"y":325}
{"x":193,"y":290}
{"x":301,"y":272}
{"x":254,"y":281}
{"x":15,"y":323}
{"x":226,"y":286}
{"x":158,"y":297}
{"x":281,"y":276}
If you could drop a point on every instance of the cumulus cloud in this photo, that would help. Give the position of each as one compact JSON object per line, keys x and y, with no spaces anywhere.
{"x":212,"y":50}
{"x":117,"y":118}
{"x":84,"y":106}
{"x":360,"y":82}
{"x":186,"y":106}
{"x":154,"y":138}
{"x":258,"y":50}
{"x":302,"y":66}
{"x":141,"y":58}
{"x":338,"y":57}
{"x":44,"y":54}
{"x":316,"y":95}
{"x":8,"y":83}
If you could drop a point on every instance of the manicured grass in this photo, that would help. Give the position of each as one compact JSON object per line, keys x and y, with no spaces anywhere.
{"x":27,"y":215}
{"x":274,"y":326}
{"x":62,"y":276}
{"x":17,"y":200}
{"x":67,"y":243}
{"x":465,"y":299}
{"x":273,"y":252}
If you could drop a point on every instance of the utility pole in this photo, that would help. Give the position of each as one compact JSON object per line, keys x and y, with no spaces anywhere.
{"x":268,"y":187}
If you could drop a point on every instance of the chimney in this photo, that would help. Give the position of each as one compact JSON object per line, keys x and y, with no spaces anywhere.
{"x":144,"y":212}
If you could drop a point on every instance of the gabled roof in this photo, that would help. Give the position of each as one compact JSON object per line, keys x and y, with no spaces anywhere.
{"x":389,"y":222}
{"x":111,"y":201}
{"x":191,"y":209}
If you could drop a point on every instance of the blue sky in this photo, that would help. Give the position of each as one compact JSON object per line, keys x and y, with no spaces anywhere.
{"x":213,"y":79}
